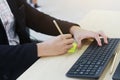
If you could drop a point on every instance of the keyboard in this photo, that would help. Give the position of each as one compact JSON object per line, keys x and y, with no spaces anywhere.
{"x":94,"y":60}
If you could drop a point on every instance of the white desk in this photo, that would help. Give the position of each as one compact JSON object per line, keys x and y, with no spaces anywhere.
{"x":55,"y":68}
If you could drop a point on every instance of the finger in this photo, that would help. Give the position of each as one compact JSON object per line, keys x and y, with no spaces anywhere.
{"x":104,"y":37}
{"x":79,"y":42}
{"x":69,"y":41}
{"x":69,"y":46}
{"x":98,"y":39}
{"x":67,"y":36}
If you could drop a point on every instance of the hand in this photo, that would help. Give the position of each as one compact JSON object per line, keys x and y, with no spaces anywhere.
{"x":56,"y":46}
{"x":80,"y":34}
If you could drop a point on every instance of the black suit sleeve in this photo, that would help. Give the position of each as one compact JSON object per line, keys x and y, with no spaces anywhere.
{"x":42,"y":22}
{"x":17,"y":58}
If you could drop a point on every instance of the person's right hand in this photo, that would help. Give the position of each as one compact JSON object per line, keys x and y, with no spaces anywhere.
{"x":56,"y":46}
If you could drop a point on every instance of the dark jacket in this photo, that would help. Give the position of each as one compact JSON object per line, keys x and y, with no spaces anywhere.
{"x":14,"y":60}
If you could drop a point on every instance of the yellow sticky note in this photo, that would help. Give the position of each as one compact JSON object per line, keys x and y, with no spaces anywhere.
{"x":73,"y":49}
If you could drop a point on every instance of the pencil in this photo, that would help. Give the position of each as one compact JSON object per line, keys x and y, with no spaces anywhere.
{"x":113,"y":63}
{"x":60,"y":31}
{"x":71,"y":50}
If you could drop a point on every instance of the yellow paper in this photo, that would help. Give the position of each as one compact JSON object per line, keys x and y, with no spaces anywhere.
{"x":73,"y":49}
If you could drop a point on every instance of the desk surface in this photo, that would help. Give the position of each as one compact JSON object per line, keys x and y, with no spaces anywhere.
{"x":55,"y":68}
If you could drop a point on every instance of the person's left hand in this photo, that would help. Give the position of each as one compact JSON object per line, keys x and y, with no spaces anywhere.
{"x":81,"y":34}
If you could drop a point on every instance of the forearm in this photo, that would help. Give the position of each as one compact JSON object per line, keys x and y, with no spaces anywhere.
{"x":43,"y":23}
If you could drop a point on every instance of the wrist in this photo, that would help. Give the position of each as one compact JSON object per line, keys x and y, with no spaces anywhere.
{"x":73,"y":29}
{"x":39,"y":49}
